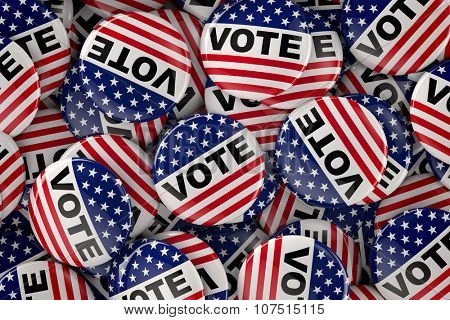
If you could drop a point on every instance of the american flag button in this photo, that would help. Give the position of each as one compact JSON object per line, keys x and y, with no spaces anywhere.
{"x":12,"y":175}
{"x":85,"y":118}
{"x":399,"y":142}
{"x":331,"y":152}
{"x":201,"y":9}
{"x":263,"y":121}
{"x":423,"y":190}
{"x":205,"y":260}
{"x":42,"y":35}
{"x":256,"y":49}
{"x":208,"y":170}
{"x":334,"y":238}
{"x":440,"y":169}
{"x":131,"y":165}
{"x":293,"y":268}
{"x":364,"y":292}
{"x":19,"y":90}
{"x":107,"y":8}
{"x":137,"y":66}
{"x":154,"y":270}
{"x":430,"y":114}
{"x":190,"y":30}
{"x":232,"y":243}
{"x":323,"y":69}
{"x":411,"y":255}
{"x":63,"y":9}
{"x":17,"y":243}
{"x":80,"y":212}
{"x":360,"y":79}
{"x":396,"y":37}
{"x":42,"y":143}
{"x":44,"y":280}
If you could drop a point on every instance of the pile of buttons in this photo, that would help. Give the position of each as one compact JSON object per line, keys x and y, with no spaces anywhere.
{"x":233,"y":149}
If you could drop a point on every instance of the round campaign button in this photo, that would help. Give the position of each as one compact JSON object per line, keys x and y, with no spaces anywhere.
{"x":323,"y":68}
{"x":131,"y":165}
{"x":334,"y":238}
{"x":205,"y":260}
{"x":332,"y":152}
{"x":106,"y":8}
{"x":19,"y":88}
{"x":12,"y":175}
{"x":253,"y":49}
{"x":399,"y":143}
{"x":190,"y":29}
{"x":394,"y":37}
{"x":43,"y":36}
{"x":360,"y":79}
{"x":291,"y":268}
{"x":209,"y":170}
{"x":364,"y":292}
{"x":85,"y":118}
{"x":423,"y":190}
{"x":44,"y":280}
{"x":200,"y":9}
{"x":263,"y":121}
{"x":42,"y":143}
{"x":232,"y":243}
{"x":430,"y":113}
{"x":63,"y":9}
{"x":17,"y":243}
{"x":154,"y":270}
{"x":137,"y":66}
{"x":80,"y":213}
{"x":440,"y":169}
{"x":411,"y":256}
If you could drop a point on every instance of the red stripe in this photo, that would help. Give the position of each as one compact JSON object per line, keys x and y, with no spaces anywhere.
{"x":251,"y":60}
{"x":12,"y":106}
{"x":195,"y":248}
{"x":219,"y":186}
{"x":55,"y":57}
{"x":433,"y":143}
{"x":59,"y":226}
{"x":441,"y":295}
{"x":323,"y":65}
{"x":9,"y":161}
{"x":315,"y":79}
{"x":262,"y":267}
{"x":348,"y":144}
{"x":13,"y":177}
{"x":51,"y":87}
{"x":37,"y":229}
{"x":250,"y":74}
{"x":355,"y":82}
{"x":102,"y":6}
{"x":266,"y":139}
{"x":429,"y":287}
{"x":138,"y":45}
{"x":83,"y":289}
{"x":249,"y":88}
{"x":248,"y":278}
{"x":355,"y":264}
{"x":145,"y":167}
{"x":54,"y":71}
{"x":54,"y":280}
{"x":284,"y":97}
{"x":24,"y":115}
{"x":157,"y":25}
{"x":377,"y":191}
{"x":204,"y":259}
{"x":178,"y":238}
{"x":41,"y":133}
{"x":140,"y":6}
{"x":367,"y":293}
{"x":345,"y":260}
{"x":274,"y":208}
{"x":333,"y":238}
{"x":48,"y":144}
{"x":275,"y":269}
{"x":404,"y":38}
{"x":195,"y":296}
{"x":264,"y":126}
{"x":423,"y":122}
{"x":68,"y":282}
{"x":430,"y":111}
{"x":286,"y":211}
{"x":343,"y":88}
{"x":353,"y":296}
{"x":17,"y":84}
{"x":140,"y":135}
{"x":256,"y":114}
{"x":46,"y":118}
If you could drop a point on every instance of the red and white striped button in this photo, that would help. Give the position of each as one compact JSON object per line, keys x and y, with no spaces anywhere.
{"x":12,"y":175}
{"x":430,"y":111}
{"x":132,"y":165}
{"x":364,"y":292}
{"x":205,"y":260}
{"x":44,"y":280}
{"x":106,"y":8}
{"x":19,"y":88}
{"x":419,"y":191}
{"x":190,"y":28}
{"x":264,"y":122}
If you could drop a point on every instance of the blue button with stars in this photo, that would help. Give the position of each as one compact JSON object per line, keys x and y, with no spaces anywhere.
{"x":332,"y":152}
{"x":137,"y":65}
{"x":293,"y":268}
{"x":394,"y":37}
{"x":154,"y":270}
{"x":411,"y":255}
{"x":399,"y":142}
{"x":208,"y":170}
{"x":80,"y":212}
